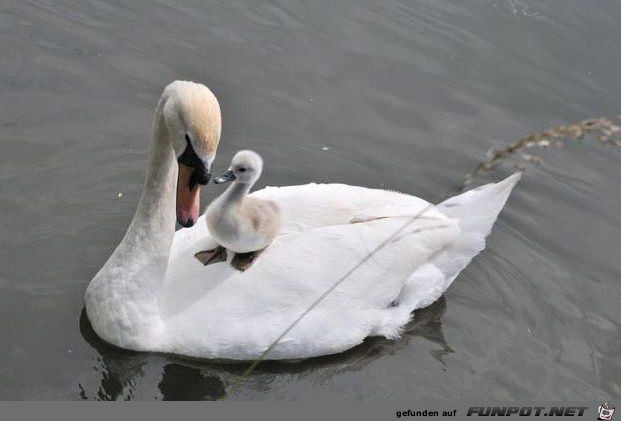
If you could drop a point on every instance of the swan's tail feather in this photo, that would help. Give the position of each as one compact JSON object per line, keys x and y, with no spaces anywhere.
{"x":476,"y":210}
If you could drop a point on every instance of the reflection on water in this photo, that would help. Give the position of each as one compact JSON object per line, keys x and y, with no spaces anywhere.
{"x":183,"y":383}
{"x":119,"y":368}
{"x":190,"y":379}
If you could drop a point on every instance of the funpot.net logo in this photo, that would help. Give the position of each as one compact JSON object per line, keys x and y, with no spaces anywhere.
{"x":527,"y":411}
{"x":605,"y":411}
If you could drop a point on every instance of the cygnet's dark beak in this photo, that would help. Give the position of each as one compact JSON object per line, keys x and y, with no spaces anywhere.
{"x":225,"y":178}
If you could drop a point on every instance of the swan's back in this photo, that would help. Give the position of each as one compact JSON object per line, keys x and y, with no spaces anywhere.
{"x":313,"y":205}
{"x":217,"y":312}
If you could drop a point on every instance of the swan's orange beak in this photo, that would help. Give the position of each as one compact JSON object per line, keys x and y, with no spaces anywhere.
{"x":188,"y":196}
{"x":193,"y":172}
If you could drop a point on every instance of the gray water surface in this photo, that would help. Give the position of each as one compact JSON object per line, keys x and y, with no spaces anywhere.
{"x":400,"y":94}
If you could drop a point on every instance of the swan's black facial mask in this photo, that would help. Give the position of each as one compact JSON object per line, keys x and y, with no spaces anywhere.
{"x":201,"y":174}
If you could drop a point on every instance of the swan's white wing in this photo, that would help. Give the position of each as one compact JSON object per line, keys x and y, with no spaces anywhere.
{"x":217,"y":312}
{"x":313,"y":205}
{"x":303,"y":208}
{"x":318,"y":205}
{"x":476,"y":210}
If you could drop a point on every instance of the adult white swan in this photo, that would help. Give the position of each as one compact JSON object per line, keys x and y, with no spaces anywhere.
{"x":153,"y":295}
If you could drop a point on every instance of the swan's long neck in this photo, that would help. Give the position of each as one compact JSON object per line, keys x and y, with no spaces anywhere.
{"x":153,"y":226}
{"x":122,"y":299}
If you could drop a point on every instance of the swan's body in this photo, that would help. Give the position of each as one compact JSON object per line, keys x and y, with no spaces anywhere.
{"x":240,"y":223}
{"x":152,"y":295}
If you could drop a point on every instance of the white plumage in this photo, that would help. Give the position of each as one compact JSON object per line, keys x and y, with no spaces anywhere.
{"x":153,"y":295}
{"x":216,"y":311}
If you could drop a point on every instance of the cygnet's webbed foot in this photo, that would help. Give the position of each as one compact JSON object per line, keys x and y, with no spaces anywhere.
{"x":208,"y":257}
{"x":242,"y":261}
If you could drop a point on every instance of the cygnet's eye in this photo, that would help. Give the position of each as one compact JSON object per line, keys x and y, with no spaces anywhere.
{"x":241,"y":169}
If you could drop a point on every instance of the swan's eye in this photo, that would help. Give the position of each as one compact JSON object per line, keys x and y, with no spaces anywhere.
{"x":241,"y":169}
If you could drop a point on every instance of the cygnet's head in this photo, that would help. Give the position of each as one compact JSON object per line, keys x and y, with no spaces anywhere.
{"x":246,"y":168}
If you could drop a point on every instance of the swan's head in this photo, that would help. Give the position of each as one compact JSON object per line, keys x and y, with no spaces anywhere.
{"x":246,"y":168}
{"x":191,"y":118}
